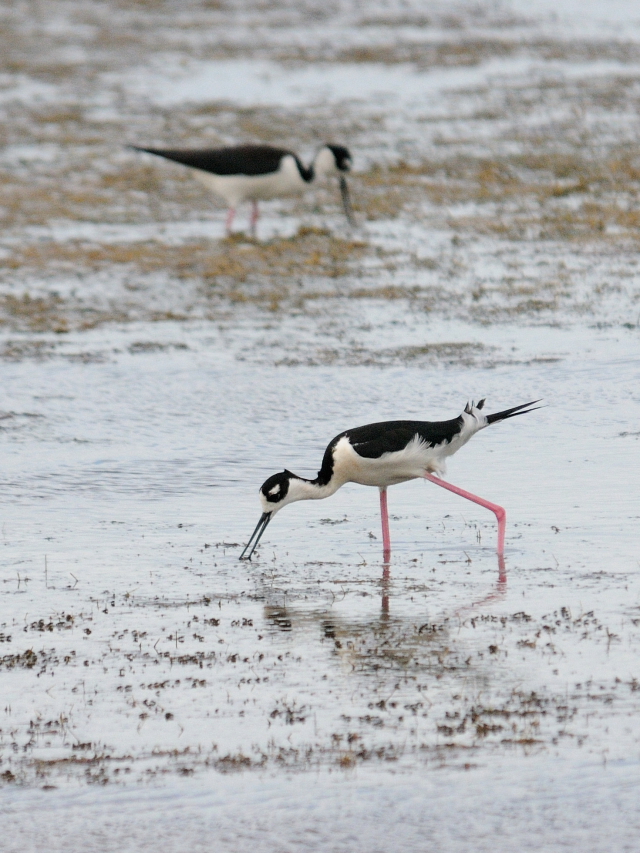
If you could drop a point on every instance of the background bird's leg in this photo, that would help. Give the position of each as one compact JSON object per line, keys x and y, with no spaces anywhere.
{"x":384,"y":516}
{"x":230,"y":218}
{"x":255,"y":213}
{"x":499,"y":512}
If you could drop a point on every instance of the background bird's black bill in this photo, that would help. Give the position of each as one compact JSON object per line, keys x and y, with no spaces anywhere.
{"x":346,"y":201}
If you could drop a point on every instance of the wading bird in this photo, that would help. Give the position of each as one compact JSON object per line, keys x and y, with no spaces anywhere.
{"x":383,"y":455}
{"x":259,"y":172}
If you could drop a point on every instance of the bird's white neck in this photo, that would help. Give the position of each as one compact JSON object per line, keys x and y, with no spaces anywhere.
{"x":309,"y":490}
{"x":299,"y":489}
{"x":324,"y":163}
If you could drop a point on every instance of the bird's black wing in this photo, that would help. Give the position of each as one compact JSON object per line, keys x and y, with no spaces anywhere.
{"x":373,"y":440}
{"x":239,"y":160}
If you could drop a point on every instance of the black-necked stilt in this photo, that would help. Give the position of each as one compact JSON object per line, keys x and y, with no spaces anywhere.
{"x":259,"y":172}
{"x":383,"y":455}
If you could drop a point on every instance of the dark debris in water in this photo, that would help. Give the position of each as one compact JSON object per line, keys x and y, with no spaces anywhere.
{"x":425,"y":692}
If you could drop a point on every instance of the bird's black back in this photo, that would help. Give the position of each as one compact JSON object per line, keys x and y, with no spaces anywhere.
{"x":238,"y":160}
{"x":372,"y":440}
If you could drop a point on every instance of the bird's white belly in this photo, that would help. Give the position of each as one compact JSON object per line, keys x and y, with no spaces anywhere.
{"x":388,"y":469}
{"x":235,"y":189}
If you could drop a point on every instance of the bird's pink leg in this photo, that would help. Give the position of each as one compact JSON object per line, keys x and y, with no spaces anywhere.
{"x":499,"y":512}
{"x":255,"y":213}
{"x":230,"y":218}
{"x":384,"y":516}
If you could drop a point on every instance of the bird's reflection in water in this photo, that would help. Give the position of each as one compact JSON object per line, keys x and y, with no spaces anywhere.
{"x":496,"y":593}
{"x":396,"y":667}
{"x":388,"y":640}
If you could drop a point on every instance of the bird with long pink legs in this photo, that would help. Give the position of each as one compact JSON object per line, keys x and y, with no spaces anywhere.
{"x":259,"y":172}
{"x":383,"y":455}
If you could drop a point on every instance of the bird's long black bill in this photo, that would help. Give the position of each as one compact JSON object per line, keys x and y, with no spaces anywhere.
{"x":252,"y":544}
{"x":511,"y":413}
{"x":346,"y":201}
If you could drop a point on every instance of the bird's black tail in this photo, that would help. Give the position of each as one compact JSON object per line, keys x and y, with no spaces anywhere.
{"x":194,"y":159}
{"x":155,"y":151}
{"x":511,"y":413}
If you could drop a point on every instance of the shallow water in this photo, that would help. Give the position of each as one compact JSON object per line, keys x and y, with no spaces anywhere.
{"x":159,"y":652}
{"x":536,"y":808}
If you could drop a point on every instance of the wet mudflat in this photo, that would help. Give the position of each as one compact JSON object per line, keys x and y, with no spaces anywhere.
{"x":153,"y":375}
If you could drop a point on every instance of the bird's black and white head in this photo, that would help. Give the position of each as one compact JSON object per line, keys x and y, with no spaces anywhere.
{"x":336,"y":160}
{"x":276,"y":492}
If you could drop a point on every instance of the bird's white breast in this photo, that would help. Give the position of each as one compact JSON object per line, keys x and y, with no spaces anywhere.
{"x":235,"y":189}
{"x":385,"y":470}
